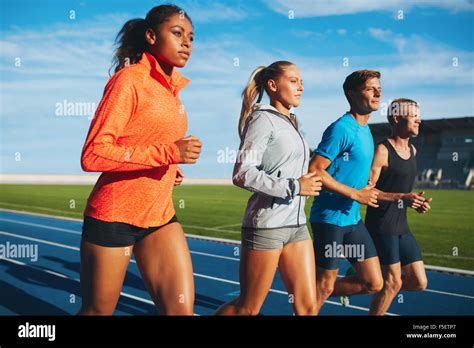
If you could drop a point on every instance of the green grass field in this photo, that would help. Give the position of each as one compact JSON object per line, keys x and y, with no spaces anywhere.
{"x":217,"y":211}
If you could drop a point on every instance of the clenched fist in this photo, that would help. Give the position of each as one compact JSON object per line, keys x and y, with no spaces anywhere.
{"x":310,"y":184}
{"x":189,"y":149}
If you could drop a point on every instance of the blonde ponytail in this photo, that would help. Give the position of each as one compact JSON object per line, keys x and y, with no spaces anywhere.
{"x":254,"y":87}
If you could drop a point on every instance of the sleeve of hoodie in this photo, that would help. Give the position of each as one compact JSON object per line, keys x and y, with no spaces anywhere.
{"x":247,"y":170}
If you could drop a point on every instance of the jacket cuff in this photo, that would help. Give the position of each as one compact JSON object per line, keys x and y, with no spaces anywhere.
{"x":175,"y":154}
{"x":295,"y":187}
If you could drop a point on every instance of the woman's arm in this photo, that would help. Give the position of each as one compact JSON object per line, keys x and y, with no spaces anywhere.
{"x":102,"y":153}
{"x":246,"y":170}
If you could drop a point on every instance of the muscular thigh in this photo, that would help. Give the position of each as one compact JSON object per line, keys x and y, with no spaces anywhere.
{"x":257,"y":270}
{"x":164,"y":262}
{"x":297,"y":268}
{"x":103,"y":270}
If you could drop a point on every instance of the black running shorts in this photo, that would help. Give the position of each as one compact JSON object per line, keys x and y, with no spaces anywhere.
{"x":116,"y":234}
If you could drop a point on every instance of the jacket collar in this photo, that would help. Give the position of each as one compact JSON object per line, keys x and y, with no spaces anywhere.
{"x":273,"y":110}
{"x":177,"y":81}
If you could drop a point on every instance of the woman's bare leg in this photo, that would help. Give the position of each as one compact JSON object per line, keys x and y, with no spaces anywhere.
{"x":103,"y":271}
{"x":257,"y":270}
{"x":297,"y":268}
{"x":164,"y":262}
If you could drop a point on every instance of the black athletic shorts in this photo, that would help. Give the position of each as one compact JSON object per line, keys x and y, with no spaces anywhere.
{"x":332,"y":243}
{"x":401,"y":248}
{"x":116,"y":234}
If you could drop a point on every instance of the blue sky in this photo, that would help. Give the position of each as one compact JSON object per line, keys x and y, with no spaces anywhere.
{"x":46,"y":58}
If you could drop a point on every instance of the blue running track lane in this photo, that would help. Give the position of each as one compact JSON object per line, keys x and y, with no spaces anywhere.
{"x":50,"y":284}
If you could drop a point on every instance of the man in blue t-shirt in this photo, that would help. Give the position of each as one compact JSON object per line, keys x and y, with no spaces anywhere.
{"x":343,"y":160}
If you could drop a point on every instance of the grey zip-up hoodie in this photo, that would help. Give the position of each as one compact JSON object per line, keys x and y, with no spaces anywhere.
{"x":273,"y":155}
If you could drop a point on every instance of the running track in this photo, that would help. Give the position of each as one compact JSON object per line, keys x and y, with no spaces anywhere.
{"x":50,"y":286}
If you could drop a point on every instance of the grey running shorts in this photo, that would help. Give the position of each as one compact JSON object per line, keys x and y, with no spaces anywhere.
{"x":274,"y":238}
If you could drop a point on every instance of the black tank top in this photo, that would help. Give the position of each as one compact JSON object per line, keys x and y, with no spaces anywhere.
{"x":391,"y":217}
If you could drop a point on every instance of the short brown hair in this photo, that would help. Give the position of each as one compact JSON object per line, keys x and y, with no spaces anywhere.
{"x":357,"y":79}
{"x":396,"y":106}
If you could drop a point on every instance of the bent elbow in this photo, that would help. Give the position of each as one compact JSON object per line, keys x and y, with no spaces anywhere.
{"x":240,"y":179}
{"x":87,"y":163}
{"x":86,"y":167}
{"x":237,"y":181}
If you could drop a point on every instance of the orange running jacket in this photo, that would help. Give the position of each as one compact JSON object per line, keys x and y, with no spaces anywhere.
{"x":131,"y":140}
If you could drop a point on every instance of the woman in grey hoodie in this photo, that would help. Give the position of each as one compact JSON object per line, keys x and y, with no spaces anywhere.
{"x":273,"y":163}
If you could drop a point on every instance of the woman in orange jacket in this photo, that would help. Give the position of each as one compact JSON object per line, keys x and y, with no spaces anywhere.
{"x":137,"y":140}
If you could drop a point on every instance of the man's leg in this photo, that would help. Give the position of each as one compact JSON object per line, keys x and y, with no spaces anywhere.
{"x":381,"y":301}
{"x":413,"y":268}
{"x":325,"y":237}
{"x":388,"y":248}
{"x":325,"y":279}
{"x":367,"y":281}
{"x":369,"y":276}
{"x":414,"y":277}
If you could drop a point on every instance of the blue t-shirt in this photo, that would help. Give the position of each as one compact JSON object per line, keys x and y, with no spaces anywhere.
{"x":350,"y":148}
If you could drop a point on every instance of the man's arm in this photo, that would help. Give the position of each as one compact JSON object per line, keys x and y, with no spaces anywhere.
{"x":366,"y":195}
{"x":425,"y":207}
{"x":380,"y":163}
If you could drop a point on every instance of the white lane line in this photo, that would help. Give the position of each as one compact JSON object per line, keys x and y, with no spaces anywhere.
{"x":64,"y":246}
{"x":79,"y":233}
{"x":80,"y":214}
{"x":67,"y":230}
{"x":213,"y":255}
{"x":49,"y":216}
{"x":449,"y":270}
{"x":192,"y":252}
{"x":216,"y":256}
{"x":448,"y":293}
{"x":41,"y":269}
{"x":449,"y":256}
{"x":230,"y":241}
{"x":41,"y":208}
{"x":228,"y":225}
{"x":214,"y":229}
{"x":434,"y":291}
{"x":195,"y":274}
{"x":281,"y":292}
{"x":213,"y":239}
{"x":56,"y":217}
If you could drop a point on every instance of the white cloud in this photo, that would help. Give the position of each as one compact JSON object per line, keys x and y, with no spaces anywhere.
{"x":317,"y":35}
{"x":74,"y":49}
{"x":212,"y":11}
{"x":342,"y":31}
{"x":424,"y":63}
{"x":55,"y":69}
{"x":213,"y":102}
{"x":319,"y":8}
{"x":388,"y":36}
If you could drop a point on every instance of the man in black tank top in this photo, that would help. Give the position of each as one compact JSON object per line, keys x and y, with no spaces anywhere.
{"x":394,"y":171}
